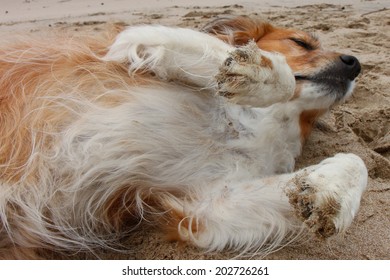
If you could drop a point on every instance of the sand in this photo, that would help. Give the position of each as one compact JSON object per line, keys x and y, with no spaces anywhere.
{"x":361,"y":125}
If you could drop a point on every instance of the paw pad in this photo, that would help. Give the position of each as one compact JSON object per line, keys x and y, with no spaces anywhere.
{"x":314,"y":208}
{"x":250,"y":76}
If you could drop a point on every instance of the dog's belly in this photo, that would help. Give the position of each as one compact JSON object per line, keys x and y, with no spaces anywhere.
{"x":168,"y":137}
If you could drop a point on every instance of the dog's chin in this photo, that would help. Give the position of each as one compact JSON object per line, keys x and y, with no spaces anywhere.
{"x":323,"y":93}
{"x":338,"y":89}
{"x":349,"y":91}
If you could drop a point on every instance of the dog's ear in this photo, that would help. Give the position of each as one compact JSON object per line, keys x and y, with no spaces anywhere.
{"x":238,"y":31}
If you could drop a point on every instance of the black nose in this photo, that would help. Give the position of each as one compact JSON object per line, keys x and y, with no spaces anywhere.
{"x":351,"y":65}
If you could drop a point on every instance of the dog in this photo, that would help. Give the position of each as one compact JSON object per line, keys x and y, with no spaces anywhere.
{"x":195,"y":132}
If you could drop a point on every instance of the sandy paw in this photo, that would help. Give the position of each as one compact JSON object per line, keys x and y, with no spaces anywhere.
{"x":255,"y":77}
{"x":318,"y":215}
{"x":326,"y":197}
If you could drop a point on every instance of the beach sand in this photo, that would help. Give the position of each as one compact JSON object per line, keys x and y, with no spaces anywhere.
{"x":360,"y":126}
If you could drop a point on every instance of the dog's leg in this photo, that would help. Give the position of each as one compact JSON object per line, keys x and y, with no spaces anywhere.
{"x":171,"y":53}
{"x":260,"y":213}
{"x":248,"y":75}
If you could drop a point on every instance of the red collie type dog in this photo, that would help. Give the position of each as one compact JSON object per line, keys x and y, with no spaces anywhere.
{"x":195,"y":132}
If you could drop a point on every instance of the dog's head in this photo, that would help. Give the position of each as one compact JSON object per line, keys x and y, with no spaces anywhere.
{"x":323,"y":77}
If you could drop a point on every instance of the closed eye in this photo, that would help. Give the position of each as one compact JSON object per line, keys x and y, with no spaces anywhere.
{"x":303,"y":44}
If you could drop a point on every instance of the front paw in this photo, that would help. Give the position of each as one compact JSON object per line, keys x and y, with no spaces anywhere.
{"x":250,"y":76}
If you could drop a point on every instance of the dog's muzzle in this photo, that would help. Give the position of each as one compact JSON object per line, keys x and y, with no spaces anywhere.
{"x":337,"y":77}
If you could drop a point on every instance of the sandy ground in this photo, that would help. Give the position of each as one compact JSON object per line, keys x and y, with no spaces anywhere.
{"x":361,"y":126}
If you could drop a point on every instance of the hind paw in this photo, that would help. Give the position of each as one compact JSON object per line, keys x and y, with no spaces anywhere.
{"x":327,"y":196}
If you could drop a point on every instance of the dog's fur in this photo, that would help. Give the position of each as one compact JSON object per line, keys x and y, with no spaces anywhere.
{"x":196,"y":132}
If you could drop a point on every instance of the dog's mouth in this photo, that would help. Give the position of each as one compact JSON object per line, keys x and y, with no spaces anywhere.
{"x":301,"y":77}
{"x":322,"y":78}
